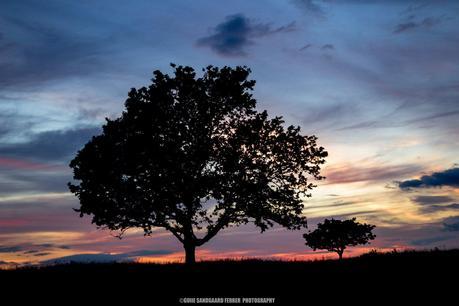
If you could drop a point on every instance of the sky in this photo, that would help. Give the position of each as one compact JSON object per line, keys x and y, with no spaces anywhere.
{"x":377,"y":81}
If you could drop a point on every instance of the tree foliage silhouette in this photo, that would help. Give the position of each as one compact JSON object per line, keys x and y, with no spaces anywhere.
{"x":336,"y":235}
{"x":193,"y":156}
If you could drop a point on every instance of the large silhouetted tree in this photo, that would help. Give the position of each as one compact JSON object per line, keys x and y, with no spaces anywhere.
{"x":336,"y":235}
{"x":193,"y":156}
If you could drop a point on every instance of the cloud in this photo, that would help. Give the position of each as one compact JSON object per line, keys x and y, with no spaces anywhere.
{"x":52,"y":216}
{"x":401,"y":27}
{"x":31,"y":249}
{"x":236,"y":33}
{"x":105,"y":258}
{"x":39,"y":165}
{"x":13,"y":163}
{"x":40,"y":254}
{"x":310,"y":7}
{"x":43,"y":46}
{"x":426,"y":23}
{"x":12,"y":122}
{"x":384,"y":122}
{"x":429,"y":241}
{"x":31,"y":252}
{"x":415,"y":7}
{"x":433,"y":204}
{"x":47,"y":57}
{"x":16,"y":181}
{"x":434,"y":116}
{"x":334,"y":204}
{"x":50,"y":145}
{"x":148,"y":253}
{"x":52,"y":245}
{"x":326,"y":116}
{"x":86,"y":258}
{"x":353,"y":174}
{"x":451,"y":224}
{"x":454,"y":227}
{"x":444,"y":178}
{"x":436,"y":208}
{"x":428,"y":200}
{"x":362,"y":213}
{"x":307,"y":46}
{"x":328,"y":47}
{"x":10,"y":249}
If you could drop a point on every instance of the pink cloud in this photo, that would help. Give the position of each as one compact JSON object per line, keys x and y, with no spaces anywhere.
{"x":23,"y":164}
{"x":352,"y":174}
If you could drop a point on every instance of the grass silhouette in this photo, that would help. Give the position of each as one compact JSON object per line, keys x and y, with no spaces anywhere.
{"x":287,"y":281}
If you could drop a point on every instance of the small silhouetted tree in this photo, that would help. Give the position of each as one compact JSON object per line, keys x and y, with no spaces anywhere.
{"x":193,"y":156}
{"x":336,"y":235}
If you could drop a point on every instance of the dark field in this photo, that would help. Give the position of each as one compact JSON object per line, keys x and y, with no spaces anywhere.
{"x":368,"y":279}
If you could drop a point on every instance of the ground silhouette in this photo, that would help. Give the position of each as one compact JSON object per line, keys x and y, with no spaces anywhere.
{"x":401,"y":276}
{"x":193,"y":155}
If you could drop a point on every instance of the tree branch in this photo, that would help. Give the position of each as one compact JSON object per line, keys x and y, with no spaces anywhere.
{"x":212,"y":231}
{"x":174,"y":231}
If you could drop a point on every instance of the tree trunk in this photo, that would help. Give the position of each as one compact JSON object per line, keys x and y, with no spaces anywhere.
{"x":190,"y":257}
{"x":340,"y":254}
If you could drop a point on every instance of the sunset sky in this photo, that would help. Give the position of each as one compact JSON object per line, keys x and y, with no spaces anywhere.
{"x":377,"y":81}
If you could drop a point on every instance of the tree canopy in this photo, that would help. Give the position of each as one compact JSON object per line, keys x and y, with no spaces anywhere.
{"x":192,"y":155}
{"x":336,"y":235}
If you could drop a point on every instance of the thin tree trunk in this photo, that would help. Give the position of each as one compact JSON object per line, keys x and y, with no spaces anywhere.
{"x":340,"y":254}
{"x":190,"y":257}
